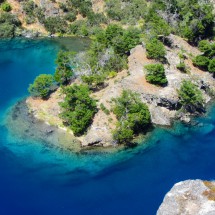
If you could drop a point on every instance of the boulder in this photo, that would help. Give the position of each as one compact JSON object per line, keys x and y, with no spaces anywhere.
{"x":191,"y":197}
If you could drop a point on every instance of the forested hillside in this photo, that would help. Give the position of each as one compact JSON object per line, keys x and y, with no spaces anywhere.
{"x":191,"y":19}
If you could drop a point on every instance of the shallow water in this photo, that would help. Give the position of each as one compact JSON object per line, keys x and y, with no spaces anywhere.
{"x":39,"y":179}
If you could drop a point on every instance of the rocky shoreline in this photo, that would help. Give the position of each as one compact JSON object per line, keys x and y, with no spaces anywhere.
{"x":24,"y":125}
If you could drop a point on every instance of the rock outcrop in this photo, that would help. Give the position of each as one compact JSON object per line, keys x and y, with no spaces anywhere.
{"x":191,"y":197}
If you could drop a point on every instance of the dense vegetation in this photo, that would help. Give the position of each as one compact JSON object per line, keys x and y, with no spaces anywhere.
{"x":114,"y":32}
{"x":155,"y":49}
{"x":133,"y":116}
{"x":206,"y":60}
{"x":64,"y":70}
{"x":8,"y":25}
{"x":6,"y":7}
{"x":191,"y":19}
{"x":107,"y":54}
{"x":191,"y":97}
{"x":156,"y":74}
{"x":78,"y":108}
{"x":42,"y":87}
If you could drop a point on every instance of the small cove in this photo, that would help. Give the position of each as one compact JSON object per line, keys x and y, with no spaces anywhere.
{"x":40,"y":179}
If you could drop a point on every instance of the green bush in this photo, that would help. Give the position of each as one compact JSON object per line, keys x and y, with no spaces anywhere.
{"x":211,"y":67}
{"x":208,"y":48}
{"x":29,"y":7}
{"x":6,"y":7}
{"x":155,"y":24}
{"x":128,"y":12}
{"x":182,"y":67}
{"x":78,"y":108}
{"x":55,"y":25}
{"x":133,"y":116}
{"x":39,"y":13}
{"x":64,"y":70}
{"x":156,"y":74}
{"x":201,"y":62}
{"x":94,"y":81}
{"x":204,"y":46}
{"x":155,"y":49}
{"x":42,"y":86}
{"x":104,"y":109}
{"x":190,"y":97}
{"x":71,"y":16}
{"x":8,"y":25}
{"x":7,"y":30}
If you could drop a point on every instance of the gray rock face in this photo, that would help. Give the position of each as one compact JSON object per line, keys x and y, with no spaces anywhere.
{"x":50,"y":8}
{"x":189,"y":197}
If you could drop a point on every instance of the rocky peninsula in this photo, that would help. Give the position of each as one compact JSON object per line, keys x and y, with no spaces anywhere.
{"x":191,"y":197}
{"x":163,"y":102}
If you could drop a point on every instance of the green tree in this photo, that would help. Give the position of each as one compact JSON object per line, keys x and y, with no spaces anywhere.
{"x":42,"y":86}
{"x":208,"y":48}
{"x":78,"y":108}
{"x":155,"y":49}
{"x":156,"y":74}
{"x":64,"y":70}
{"x":56,"y":25}
{"x":8,"y":25}
{"x":6,"y":7}
{"x":204,"y":46}
{"x":190,"y":97}
{"x":201,"y":62}
{"x":211,"y":67}
{"x":133,"y":116}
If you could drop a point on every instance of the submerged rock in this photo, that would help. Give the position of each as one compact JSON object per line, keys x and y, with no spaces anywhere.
{"x":191,"y":197}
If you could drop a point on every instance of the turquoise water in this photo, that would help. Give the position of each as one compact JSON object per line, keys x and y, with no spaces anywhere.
{"x":37,"y":179}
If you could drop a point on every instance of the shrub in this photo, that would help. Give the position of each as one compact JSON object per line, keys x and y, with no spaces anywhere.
{"x":71,"y":16}
{"x":6,"y":30}
{"x":104,"y":109}
{"x":156,"y":74}
{"x":133,"y":115}
{"x":112,"y":74}
{"x":155,"y":24}
{"x":94,"y":81}
{"x":42,"y":86}
{"x":8,"y":25}
{"x":39,"y":13}
{"x":204,"y":46}
{"x":190,"y":97}
{"x":64,"y":70}
{"x":6,"y":7}
{"x":28,"y":7}
{"x":182,"y":67}
{"x":201,"y":62}
{"x":155,"y":49}
{"x":55,"y":25}
{"x":211,"y":67}
{"x":78,"y":108}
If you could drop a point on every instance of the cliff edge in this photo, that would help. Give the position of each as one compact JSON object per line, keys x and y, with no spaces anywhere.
{"x":191,"y":197}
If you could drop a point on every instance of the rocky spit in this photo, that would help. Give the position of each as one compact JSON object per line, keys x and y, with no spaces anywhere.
{"x":163,"y":102}
{"x":191,"y":197}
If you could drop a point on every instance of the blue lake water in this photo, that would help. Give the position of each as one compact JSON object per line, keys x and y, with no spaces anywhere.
{"x":37,"y":179}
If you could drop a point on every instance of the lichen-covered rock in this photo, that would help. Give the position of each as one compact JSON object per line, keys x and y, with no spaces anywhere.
{"x":191,"y":197}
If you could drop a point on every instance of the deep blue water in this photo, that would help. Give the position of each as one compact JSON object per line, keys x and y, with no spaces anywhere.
{"x":37,"y":180}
